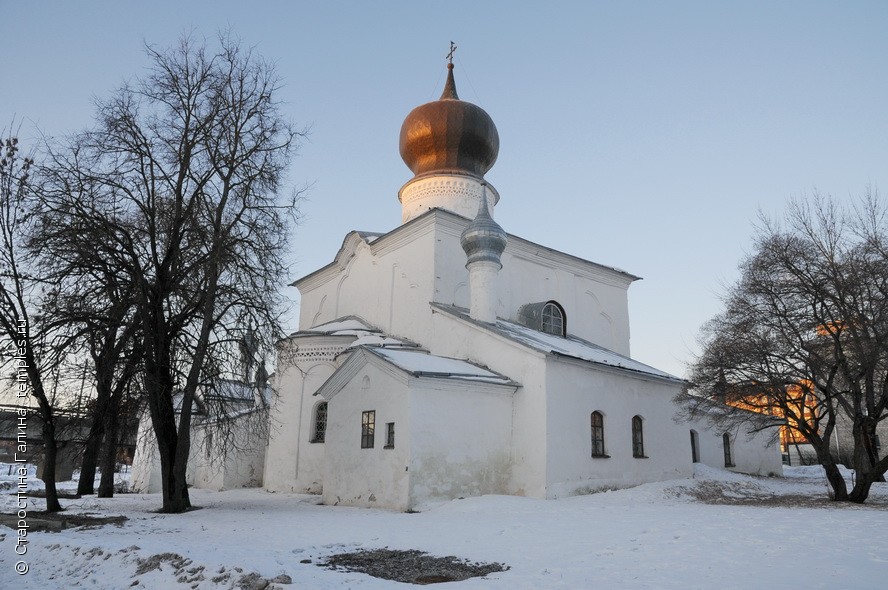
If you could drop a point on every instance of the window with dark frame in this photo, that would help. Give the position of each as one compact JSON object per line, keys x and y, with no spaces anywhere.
{"x":726,"y":441}
{"x":320,"y":423}
{"x":553,"y":319}
{"x":637,"y":438}
{"x":368,"y":428}
{"x":389,"y":435}
{"x":598,"y":435}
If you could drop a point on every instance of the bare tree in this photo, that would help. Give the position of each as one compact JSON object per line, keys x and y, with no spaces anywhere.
{"x":804,"y":334}
{"x":94,"y":305}
{"x":179,"y":184}
{"x":20,"y":294}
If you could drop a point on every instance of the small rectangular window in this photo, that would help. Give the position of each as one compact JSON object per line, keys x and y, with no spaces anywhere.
{"x":726,"y":441}
{"x":637,"y":438}
{"x":368,"y":428}
{"x":598,"y":435}
{"x":390,"y":435}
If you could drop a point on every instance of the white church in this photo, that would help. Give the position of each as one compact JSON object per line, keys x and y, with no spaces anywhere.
{"x":447,"y":358}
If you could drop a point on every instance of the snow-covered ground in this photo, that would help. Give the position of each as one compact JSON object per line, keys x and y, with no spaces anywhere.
{"x":762,"y":533}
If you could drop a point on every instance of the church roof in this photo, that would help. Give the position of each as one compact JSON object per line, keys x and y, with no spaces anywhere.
{"x":415,"y":363}
{"x":422,"y":364}
{"x":364,"y":333}
{"x":344,"y":326}
{"x":565,"y":346}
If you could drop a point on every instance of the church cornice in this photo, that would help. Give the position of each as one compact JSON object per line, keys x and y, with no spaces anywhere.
{"x":307,"y":347}
{"x":524,"y":249}
{"x":454,"y":224}
{"x":622,"y":371}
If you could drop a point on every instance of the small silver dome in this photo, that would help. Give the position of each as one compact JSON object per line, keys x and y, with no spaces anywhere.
{"x":483,"y":239}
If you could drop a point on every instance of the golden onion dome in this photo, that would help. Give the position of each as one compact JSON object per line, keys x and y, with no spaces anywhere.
{"x":449,"y":135}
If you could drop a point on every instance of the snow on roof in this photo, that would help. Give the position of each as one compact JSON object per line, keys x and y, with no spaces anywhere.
{"x":365,"y":335}
{"x":230,"y":389}
{"x":570,"y":346}
{"x":379,"y":340}
{"x":577,"y":348}
{"x":348,"y":324}
{"x":423,"y":364}
{"x":370,"y":236}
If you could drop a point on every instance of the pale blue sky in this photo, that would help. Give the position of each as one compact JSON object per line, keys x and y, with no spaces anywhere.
{"x":643,"y":135}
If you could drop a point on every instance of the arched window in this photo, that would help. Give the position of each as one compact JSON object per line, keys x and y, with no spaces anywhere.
{"x":320,"y":423}
{"x":553,"y":319}
{"x":637,"y":437}
{"x":726,"y":441}
{"x":695,"y":447}
{"x":598,"y":435}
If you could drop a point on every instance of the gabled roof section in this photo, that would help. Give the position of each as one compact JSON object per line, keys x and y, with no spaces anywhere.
{"x":380,"y":240}
{"x":569,"y":346}
{"x":355,"y":327}
{"x":348,"y":325}
{"x":420,"y":363}
{"x":415,"y":363}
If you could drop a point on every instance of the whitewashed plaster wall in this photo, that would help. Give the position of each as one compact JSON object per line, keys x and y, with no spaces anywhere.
{"x":460,"y":434}
{"x":752,"y":452}
{"x":595,"y":298}
{"x":575,"y":390}
{"x":460,"y":338}
{"x":211,"y":465}
{"x":376,"y":477}
{"x":390,"y":281}
{"x":146,"y":476}
{"x":293,"y":463}
{"x":221,"y":460}
{"x":206,"y":465}
{"x":388,"y":284}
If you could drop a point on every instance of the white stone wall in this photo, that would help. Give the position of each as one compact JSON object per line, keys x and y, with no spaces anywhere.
{"x":146,"y":476}
{"x":460,"y":339}
{"x":214,"y":463}
{"x":229,"y":456}
{"x":757,"y":453}
{"x":577,"y":389}
{"x":376,"y":477}
{"x":460,"y":434}
{"x":293,"y":463}
{"x":389,"y":287}
{"x":390,"y":282}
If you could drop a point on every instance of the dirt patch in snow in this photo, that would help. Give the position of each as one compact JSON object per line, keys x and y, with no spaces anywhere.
{"x":410,"y":566}
{"x":57,"y":521}
{"x":751,"y":494}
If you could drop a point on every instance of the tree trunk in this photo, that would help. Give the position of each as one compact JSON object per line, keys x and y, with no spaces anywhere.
{"x":182,"y":501}
{"x":86,"y":484}
{"x":836,"y":481}
{"x":861,"y":489}
{"x":50,"y":453}
{"x":833,"y":475}
{"x":175,"y":490}
{"x":111,"y":425}
{"x":159,"y":387}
